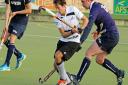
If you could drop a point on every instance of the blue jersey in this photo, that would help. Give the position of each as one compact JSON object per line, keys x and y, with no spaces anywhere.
{"x":18,"y":5}
{"x":102,"y":19}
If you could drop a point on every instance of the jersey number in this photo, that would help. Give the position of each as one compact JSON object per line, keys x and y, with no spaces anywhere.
{"x":104,"y":7}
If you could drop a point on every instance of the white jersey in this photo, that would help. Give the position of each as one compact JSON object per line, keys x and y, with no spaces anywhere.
{"x":72,"y":17}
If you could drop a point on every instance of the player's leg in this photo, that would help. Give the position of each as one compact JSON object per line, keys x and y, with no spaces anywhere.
{"x":10,"y":51}
{"x":19,"y":31}
{"x":92,"y":51}
{"x":7,"y":41}
{"x":16,"y":51}
{"x":5,"y":66}
{"x":60,"y":67}
{"x":101,"y":59}
{"x":20,"y":56}
{"x":66,"y":52}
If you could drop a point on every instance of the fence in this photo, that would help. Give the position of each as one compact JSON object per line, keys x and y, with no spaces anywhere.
{"x":2,"y":4}
{"x":77,"y":3}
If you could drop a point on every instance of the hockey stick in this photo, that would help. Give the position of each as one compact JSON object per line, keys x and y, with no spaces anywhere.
{"x":44,"y":79}
{"x":54,"y":15}
{"x":3,"y":38}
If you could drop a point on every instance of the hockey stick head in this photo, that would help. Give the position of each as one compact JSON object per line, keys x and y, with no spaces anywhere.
{"x":41,"y":81}
{"x":47,"y":10}
{"x":44,"y":79}
{"x":41,"y":8}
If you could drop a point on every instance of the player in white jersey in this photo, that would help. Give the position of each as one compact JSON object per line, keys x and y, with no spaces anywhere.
{"x":70,"y":37}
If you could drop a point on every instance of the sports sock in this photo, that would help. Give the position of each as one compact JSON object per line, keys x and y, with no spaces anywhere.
{"x":16,"y":52}
{"x":11,"y":48}
{"x":62,"y":72}
{"x":108,"y":65}
{"x":84,"y":66}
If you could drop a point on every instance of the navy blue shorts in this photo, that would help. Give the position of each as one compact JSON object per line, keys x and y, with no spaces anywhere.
{"x":107,"y":41}
{"x":67,"y":48}
{"x":17,"y":29}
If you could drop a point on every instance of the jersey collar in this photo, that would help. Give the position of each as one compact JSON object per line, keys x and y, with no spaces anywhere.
{"x":92,"y":4}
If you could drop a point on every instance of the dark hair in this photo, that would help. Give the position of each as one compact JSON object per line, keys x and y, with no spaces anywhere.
{"x":61,"y":2}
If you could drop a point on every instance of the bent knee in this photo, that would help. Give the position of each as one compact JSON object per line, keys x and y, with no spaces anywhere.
{"x":58,"y":57}
{"x":88,"y":55}
{"x":99,"y":60}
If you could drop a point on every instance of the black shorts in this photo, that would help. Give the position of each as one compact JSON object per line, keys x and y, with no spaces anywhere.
{"x":107,"y":41}
{"x":17,"y":29}
{"x":67,"y":48}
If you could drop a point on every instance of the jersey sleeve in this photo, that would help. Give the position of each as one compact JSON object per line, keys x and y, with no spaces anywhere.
{"x":92,"y":17}
{"x":7,"y":1}
{"x":27,"y":1}
{"x":57,"y":22}
{"x":78,"y":13}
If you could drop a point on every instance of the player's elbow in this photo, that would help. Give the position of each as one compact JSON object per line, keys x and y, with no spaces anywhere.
{"x":29,"y":11}
{"x":64,"y":36}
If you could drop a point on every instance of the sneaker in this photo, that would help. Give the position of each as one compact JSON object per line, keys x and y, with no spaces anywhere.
{"x":120,"y":77}
{"x":4,"y":67}
{"x":69,"y":75}
{"x":20,"y":60}
{"x":74,"y":79}
{"x":62,"y":82}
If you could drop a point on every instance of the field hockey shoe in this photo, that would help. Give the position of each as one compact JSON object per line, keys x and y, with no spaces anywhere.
{"x":120,"y":77}
{"x":21,"y":58}
{"x":74,"y":79}
{"x":4,"y":67}
{"x":63,"y":82}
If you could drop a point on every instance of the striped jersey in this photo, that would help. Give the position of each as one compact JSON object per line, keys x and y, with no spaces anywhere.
{"x":72,"y":17}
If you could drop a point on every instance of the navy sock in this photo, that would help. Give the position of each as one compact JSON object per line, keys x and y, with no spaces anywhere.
{"x":11,"y":48}
{"x":108,"y":65}
{"x":16,"y":52}
{"x":84,"y":66}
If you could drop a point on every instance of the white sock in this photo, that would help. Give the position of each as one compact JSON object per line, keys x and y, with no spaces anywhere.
{"x":62,"y":72}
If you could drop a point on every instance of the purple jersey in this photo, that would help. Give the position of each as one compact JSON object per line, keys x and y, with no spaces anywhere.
{"x":102,"y":19}
{"x":18,"y":5}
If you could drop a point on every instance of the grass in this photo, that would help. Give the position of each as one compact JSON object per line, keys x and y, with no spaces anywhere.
{"x":39,"y":43}
{"x":2,"y":10}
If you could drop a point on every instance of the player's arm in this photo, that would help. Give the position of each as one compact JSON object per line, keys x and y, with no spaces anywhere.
{"x":84,"y":22}
{"x":64,"y":33}
{"x":67,"y":33}
{"x":96,"y":33}
{"x":82,"y":18}
{"x":27,"y":10}
{"x":92,"y":18}
{"x":7,"y":13}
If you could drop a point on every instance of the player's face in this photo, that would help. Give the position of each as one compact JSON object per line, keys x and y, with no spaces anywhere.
{"x":60,"y":8}
{"x":85,"y":3}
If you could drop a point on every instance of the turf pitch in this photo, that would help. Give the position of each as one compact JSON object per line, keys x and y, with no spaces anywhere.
{"x":39,"y":43}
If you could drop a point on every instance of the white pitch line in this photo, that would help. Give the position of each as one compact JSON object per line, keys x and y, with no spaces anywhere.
{"x":55,"y":37}
{"x":31,"y":35}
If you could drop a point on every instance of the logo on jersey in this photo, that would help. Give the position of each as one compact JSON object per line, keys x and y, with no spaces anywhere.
{"x":104,"y":7}
{"x":75,"y":36}
{"x":14,"y":31}
{"x":65,"y":53}
{"x":99,"y":40}
{"x":17,"y":3}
